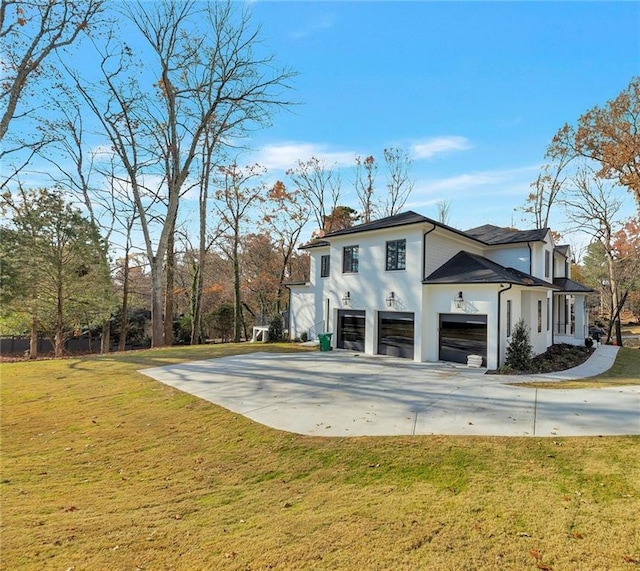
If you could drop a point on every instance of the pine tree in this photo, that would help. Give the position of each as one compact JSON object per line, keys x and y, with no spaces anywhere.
{"x":519,"y":350}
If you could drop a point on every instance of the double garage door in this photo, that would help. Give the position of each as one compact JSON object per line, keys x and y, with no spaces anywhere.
{"x":395,"y":332}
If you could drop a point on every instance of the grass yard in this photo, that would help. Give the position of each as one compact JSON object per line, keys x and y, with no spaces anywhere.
{"x":625,"y":371}
{"x":106,"y":469}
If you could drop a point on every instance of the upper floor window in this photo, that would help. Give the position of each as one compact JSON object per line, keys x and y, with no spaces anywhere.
{"x":325,"y":266}
{"x":547,"y":263}
{"x":350,"y":259}
{"x":397,"y":255}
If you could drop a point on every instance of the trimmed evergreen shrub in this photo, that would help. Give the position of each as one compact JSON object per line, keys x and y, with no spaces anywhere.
{"x":276,"y":332}
{"x":519,"y":350}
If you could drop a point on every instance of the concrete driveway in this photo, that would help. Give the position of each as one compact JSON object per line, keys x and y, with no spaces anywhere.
{"x":340,"y":393}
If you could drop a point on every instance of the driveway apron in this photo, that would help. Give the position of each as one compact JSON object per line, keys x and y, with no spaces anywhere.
{"x":341,"y":393}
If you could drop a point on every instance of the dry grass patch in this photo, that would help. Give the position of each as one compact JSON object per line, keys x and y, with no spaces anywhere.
{"x":104,"y":468}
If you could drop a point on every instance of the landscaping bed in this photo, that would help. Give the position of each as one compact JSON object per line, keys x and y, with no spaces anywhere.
{"x":559,"y":357}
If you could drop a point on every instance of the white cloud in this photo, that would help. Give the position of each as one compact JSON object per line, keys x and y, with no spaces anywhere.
{"x":437,"y":145}
{"x":321,"y":22}
{"x":283,"y":156}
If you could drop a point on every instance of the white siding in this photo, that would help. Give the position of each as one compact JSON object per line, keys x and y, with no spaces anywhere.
{"x":510,"y":257}
{"x":441,"y":246}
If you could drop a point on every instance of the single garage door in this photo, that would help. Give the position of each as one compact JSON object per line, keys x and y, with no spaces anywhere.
{"x":351,"y":329}
{"x":461,"y":336}
{"x":395,"y":334}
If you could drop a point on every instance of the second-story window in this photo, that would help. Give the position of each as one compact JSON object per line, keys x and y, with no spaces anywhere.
{"x":396,"y":255}
{"x":350,"y":260}
{"x":547,"y":263}
{"x":325,"y":266}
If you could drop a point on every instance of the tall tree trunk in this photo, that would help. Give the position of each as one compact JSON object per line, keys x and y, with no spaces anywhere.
{"x":237,"y":302}
{"x":105,"y":342}
{"x":33,"y":341}
{"x":168,"y":298}
{"x":196,"y":305}
{"x":614,"y":320}
{"x":124,"y":320}
{"x":157,"y":283}
{"x":58,"y":348}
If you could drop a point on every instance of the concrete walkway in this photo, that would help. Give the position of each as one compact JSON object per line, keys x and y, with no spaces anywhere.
{"x":341,"y":393}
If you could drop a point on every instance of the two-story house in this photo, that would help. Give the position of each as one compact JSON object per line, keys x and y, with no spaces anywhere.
{"x":411,"y":287}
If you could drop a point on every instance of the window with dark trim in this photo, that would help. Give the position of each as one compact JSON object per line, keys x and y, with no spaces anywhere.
{"x":547,"y":263}
{"x":539,"y":316}
{"x":548,"y":313}
{"x":396,"y":255}
{"x":325,"y":266}
{"x":350,"y":256}
{"x":508,"y":318}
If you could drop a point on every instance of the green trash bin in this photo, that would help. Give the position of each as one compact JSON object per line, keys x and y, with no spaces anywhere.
{"x":325,"y":341}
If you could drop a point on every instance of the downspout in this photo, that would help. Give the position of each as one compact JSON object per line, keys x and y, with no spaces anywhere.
{"x":424,"y":250}
{"x":500,"y":292}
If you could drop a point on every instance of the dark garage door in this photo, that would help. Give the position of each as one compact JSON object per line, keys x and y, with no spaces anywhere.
{"x":461,"y":336}
{"x":395,"y":334}
{"x":351,"y":328}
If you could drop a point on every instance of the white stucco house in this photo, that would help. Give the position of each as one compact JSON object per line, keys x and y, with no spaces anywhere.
{"x":411,"y":287}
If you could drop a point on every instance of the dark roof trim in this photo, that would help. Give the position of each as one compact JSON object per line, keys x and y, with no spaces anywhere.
{"x":317,"y":243}
{"x":468,"y":268}
{"x":568,"y":285}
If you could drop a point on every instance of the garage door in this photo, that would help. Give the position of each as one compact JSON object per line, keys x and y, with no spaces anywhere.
{"x":461,"y":336}
{"x":351,"y":329}
{"x":395,"y":334}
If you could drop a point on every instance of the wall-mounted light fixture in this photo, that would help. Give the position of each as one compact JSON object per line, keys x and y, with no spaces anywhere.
{"x":346,"y":298}
{"x":459,"y":301}
{"x":391,"y":299}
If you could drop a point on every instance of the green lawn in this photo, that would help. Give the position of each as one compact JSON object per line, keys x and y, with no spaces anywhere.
{"x":625,"y":371}
{"x":105,"y":468}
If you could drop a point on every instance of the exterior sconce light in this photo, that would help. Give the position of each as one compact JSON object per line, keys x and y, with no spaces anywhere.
{"x":391,"y":299}
{"x":346,"y":298}
{"x":459,"y":301}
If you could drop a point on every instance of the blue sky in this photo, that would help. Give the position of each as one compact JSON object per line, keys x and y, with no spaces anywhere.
{"x":474,"y":90}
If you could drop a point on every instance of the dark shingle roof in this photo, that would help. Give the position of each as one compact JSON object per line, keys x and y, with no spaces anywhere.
{"x":402,"y":219}
{"x":565,"y":284}
{"x":563,"y":249}
{"x":487,"y":234}
{"x":466,"y":267}
{"x":493,"y":235}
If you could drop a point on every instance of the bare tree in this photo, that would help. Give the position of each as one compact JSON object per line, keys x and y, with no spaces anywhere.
{"x":234,"y":202}
{"x":319,"y":187}
{"x":30,"y":33}
{"x":591,"y":206}
{"x":365,"y":176}
{"x":209,"y":80}
{"x":443,"y":207}
{"x":399,"y":183}
{"x":284,"y":218}
{"x":548,"y":186}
